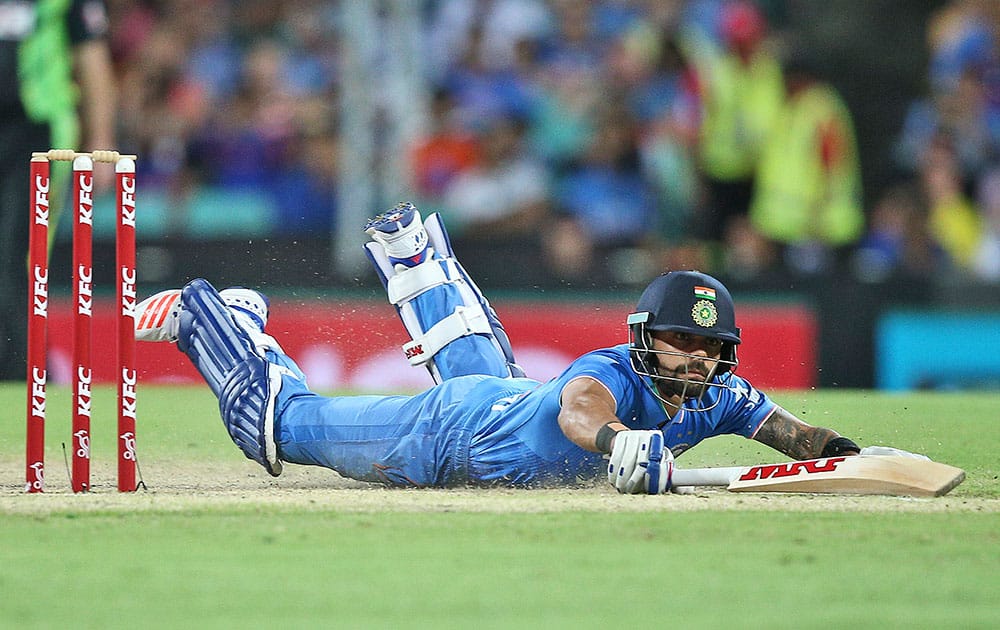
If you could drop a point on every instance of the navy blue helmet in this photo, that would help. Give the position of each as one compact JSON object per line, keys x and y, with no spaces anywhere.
{"x":683,"y":301}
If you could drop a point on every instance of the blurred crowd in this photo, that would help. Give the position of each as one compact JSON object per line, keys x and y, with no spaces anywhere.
{"x":611,"y":138}
{"x":946,"y":210}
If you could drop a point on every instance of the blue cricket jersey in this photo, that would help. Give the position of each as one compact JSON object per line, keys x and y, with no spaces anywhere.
{"x":485,"y":430}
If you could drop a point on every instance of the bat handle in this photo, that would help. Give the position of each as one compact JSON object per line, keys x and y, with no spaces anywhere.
{"x":705,"y":476}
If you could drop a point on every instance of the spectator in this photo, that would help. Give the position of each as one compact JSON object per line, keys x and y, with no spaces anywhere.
{"x":506,"y":193}
{"x":987,"y":259}
{"x":669,"y":168}
{"x":808,"y":192}
{"x":961,"y":113}
{"x":482,"y":91}
{"x":501,"y":24}
{"x":564,"y":117}
{"x":740,"y":87}
{"x":897,"y":242}
{"x":447,"y":149}
{"x":664,"y":104}
{"x":962,"y":101}
{"x":658,"y":79}
{"x":57,"y":90}
{"x":606,"y":202}
{"x":959,"y":39}
{"x":954,"y":221}
{"x":575,"y":45}
{"x":571,"y":85}
{"x":305,"y":188}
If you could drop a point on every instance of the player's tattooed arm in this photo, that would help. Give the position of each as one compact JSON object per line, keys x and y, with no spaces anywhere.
{"x":789,"y":435}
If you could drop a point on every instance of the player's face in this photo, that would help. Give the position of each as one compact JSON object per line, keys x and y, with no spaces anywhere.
{"x":690,"y":359}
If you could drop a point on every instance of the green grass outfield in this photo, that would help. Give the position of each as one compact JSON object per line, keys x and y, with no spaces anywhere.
{"x":215,"y":542}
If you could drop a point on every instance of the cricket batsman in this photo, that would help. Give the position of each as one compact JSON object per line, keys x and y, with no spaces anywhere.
{"x":625,"y":411}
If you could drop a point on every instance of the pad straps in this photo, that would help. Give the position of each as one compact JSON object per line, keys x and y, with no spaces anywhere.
{"x":404,"y":286}
{"x":464,"y":321}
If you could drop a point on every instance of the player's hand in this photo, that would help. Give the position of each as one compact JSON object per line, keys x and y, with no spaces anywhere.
{"x":891,"y":452}
{"x":640,"y":463}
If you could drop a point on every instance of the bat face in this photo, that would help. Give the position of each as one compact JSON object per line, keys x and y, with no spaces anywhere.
{"x":901,"y":476}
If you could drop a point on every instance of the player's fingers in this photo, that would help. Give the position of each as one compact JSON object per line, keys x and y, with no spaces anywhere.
{"x":614,"y":462}
{"x":627,"y":463}
{"x":636,"y":483}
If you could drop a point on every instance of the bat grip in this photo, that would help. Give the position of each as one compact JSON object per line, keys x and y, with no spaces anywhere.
{"x":705,"y":476}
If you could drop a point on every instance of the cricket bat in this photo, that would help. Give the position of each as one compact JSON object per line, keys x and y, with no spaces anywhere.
{"x":869,"y":474}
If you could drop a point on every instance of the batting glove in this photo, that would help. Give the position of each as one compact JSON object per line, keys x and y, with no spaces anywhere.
{"x":640,"y":463}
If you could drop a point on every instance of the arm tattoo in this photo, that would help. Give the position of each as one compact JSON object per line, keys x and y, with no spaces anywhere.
{"x":789,"y":435}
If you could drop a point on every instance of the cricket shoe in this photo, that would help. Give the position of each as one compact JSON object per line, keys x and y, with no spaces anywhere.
{"x":156,"y":317}
{"x":401,"y":232}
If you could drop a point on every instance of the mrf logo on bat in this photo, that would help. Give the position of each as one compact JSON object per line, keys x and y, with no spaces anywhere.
{"x":791,"y":469}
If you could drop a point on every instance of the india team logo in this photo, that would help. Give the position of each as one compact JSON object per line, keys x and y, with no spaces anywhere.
{"x":704,"y":313}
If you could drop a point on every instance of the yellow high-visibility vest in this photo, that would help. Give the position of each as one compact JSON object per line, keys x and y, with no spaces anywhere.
{"x":958,"y":229}
{"x":796,"y":198}
{"x":739,"y":106}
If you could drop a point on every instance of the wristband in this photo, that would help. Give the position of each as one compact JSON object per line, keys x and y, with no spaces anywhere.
{"x":839,"y":446}
{"x":605,"y":435}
